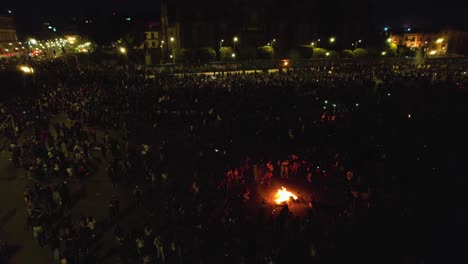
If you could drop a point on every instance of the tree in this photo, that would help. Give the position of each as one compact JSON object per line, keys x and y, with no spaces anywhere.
{"x":127,"y":40}
{"x":265,"y":52}
{"x":305,"y":52}
{"x":320,"y":53}
{"x":374,"y":53}
{"x":205,"y":54}
{"x":294,"y":54}
{"x":249,"y":53}
{"x":392,"y":49}
{"x":347,"y":53}
{"x":405,"y":52}
{"x":226,"y":52}
{"x":180,"y":54}
{"x":333,"y":54}
{"x":360,"y":53}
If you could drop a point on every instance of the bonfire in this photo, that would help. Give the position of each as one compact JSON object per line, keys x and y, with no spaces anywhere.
{"x":283,"y":195}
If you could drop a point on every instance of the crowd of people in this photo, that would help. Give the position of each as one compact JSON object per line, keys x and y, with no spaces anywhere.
{"x":198,"y":153}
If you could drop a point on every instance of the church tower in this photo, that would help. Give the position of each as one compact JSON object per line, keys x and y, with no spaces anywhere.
{"x":164,"y":44}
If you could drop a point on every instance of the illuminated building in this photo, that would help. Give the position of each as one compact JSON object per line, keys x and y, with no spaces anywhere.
{"x":445,"y":43}
{"x":153,"y":38}
{"x":7,"y":29}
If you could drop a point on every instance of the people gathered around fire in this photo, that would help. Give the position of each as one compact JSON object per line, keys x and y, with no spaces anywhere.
{"x":199,"y":158}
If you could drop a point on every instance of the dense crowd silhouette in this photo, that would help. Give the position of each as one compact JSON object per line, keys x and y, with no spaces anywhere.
{"x":197,"y":153}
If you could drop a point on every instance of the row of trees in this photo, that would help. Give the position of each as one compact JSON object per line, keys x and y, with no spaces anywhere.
{"x":207,"y":54}
{"x":267,"y":53}
{"x":306,"y":52}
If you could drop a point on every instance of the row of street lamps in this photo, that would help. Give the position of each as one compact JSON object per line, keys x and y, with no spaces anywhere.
{"x":234,"y":40}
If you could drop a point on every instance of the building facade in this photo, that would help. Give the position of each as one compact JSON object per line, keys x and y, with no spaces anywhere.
{"x":7,"y":29}
{"x":447,"y":42}
{"x":153,"y":38}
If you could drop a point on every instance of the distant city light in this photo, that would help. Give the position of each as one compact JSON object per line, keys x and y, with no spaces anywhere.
{"x":433,"y":52}
{"x":384,"y":53}
{"x":54,"y":29}
{"x":357,"y":105}
{"x":332,"y":39}
{"x":172,"y":39}
{"x":49,"y":27}
{"x":385,"y":29}
{"x":9,"y":12}
{"x":123,"y":50}
{"x":389,"y":40}
{"x":236,"y":39}
{"x":128,"y":19}
{"x":440,"y":40}
{"x":327,"y":54}
{"x":33,"y":41}
{"x":233,"y":55}
{"x":71,"y":40}
{"x":409,"y":115}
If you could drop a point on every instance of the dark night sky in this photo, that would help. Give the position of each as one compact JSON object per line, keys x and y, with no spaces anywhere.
{"x":394,"y":13}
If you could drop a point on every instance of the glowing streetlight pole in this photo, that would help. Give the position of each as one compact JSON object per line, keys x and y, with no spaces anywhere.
{"x":235,"y":41}
{"x":220,"y":47}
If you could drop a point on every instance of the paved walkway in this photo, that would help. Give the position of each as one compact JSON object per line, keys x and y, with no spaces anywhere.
{"x":13,"y":210}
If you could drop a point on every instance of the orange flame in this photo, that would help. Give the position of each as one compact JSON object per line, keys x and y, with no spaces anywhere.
{"x":283,"y":195}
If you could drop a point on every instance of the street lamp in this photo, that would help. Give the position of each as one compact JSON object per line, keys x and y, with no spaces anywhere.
{"x":272,"y":43}
{"x":356,"y":43}
{"x":332,"y":39}
{"x":26,"y":69}
{"x":123,"y":50}
{"x":327,"y":54}
{"x":233,"y":55}
{"x":235,"y":41}
{"x":384,"y":53}
{"x":389,"y":40}
{"x":221,"y":43}
{"x":172,"y":39}
{"x":440,"y":40}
